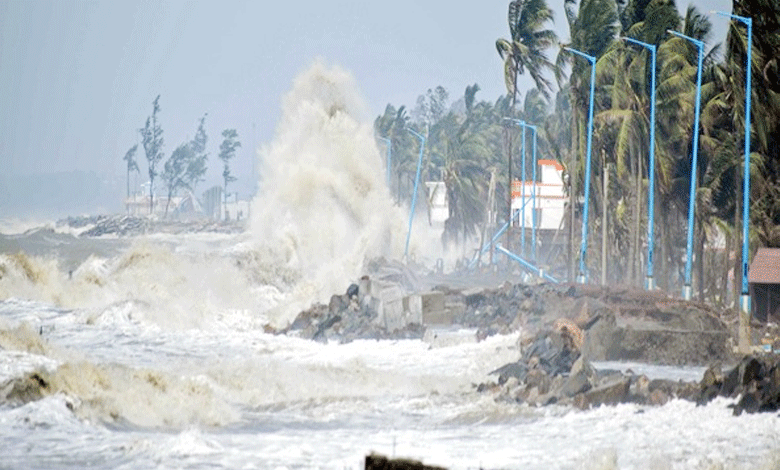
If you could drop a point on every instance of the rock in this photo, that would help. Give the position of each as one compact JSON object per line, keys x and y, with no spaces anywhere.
{"x":578,"y":383}
{"x":324,"y":326}
{"x":657,"y":397}
{"x":380,"y":462}
{"x":515,"y":370}
{"x":337,"y":304}
{"x":639,"y":391}
{"x":538,"y":379}
{"x":352,"y":290}
{"x":611,"y":393}
{"x":713,"y":376}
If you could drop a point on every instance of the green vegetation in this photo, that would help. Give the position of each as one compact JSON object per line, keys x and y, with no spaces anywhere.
{"x":186,"y":165}
{"x":227,"y":150}
{"x":152,"y":139}
{"x":469,"y":144}
{"x":132,"y":165}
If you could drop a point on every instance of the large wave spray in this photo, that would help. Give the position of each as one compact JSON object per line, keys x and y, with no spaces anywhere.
{"x":323,"y":203}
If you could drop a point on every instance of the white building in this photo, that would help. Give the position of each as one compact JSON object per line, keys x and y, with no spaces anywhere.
{"x":437,"y":203}
{"x":549,"y":203}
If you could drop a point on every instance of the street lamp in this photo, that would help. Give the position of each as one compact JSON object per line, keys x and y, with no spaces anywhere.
{"x":582,"y":277}
{"x":533,"y":197}
{"x":687,"y":291}
{"x":389,"y":156}
{"x":744,"y":300}
{"x":416,"y":184}
{"x":649,"y":281}
{"x":525,"y":125}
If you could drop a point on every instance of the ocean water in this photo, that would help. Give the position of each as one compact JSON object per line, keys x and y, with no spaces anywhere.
{"x":153,"y":353}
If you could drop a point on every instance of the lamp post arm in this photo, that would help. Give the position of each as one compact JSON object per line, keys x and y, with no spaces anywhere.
{"x":698,"y":43}
{"x":590,"y":58}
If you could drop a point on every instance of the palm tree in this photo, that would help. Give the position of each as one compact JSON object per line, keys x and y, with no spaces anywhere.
{"x":676,"y":93}
{"x":592,"y":28}
{"x":765,"y":122}
{"x":132,"y":165}
{"x":525,"y":51}
{"x":526,"y":46}
{"x":392,"y":125}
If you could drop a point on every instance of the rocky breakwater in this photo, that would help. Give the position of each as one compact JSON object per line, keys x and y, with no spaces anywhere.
{"x":754,"y":382}
{"x":129,"y":226}
{"x":375,"y":307}
{"x":552,"y":370}
{"x":617,"y":324}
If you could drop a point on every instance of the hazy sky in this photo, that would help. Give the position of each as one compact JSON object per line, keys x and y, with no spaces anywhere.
{"x":77,"y":78}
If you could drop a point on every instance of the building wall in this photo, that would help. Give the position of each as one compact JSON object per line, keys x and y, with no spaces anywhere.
{"x":550,"y":200}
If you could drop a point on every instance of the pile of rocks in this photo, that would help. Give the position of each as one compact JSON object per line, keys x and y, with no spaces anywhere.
{"x":353,"y":315}
{"x":120,"y":226}
{"x":128,"y":225}
{"x":755,"y":380}
{"x":552,"y":372}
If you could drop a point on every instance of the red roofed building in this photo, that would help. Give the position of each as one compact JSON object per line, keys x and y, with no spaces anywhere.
{"x":764,"y":281}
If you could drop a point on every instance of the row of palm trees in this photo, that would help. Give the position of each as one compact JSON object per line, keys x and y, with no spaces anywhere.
{"x":469,"y":148}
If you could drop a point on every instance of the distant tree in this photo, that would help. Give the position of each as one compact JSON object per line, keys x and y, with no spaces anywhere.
{"x":132,"y":165}
{"x":196,"y":168}
{"x":431,"y":107}
{"x":227,"y":150}
{"x":175,"y":169}
{"x":186,"y":165}
{"x":152,"y":139}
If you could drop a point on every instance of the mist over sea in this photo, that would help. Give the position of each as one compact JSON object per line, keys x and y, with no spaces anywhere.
{"x":152,"y":351}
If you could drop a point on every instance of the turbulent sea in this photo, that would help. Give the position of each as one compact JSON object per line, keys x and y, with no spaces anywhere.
{"x":152,"y":352}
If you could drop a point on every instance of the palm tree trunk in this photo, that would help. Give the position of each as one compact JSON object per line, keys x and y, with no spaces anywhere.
{"x":151,"y":196}
{"x":635,"y":260}
{"x":127,"y":202}
{"x":573,"y":182}
{"x":700,"y":249}
{"x":737,"y":282}
{"x":724,"y":279}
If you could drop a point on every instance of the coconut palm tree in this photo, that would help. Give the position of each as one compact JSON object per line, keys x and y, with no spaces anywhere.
{"x":525,"y":50}
{"x":592,"y":28}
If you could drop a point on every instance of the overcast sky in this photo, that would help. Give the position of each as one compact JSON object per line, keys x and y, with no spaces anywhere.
{"x":77,"y":78}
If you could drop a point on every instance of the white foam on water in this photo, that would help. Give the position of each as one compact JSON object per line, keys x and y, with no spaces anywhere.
{"x":157,"y":358}
{"x":17,"y":225}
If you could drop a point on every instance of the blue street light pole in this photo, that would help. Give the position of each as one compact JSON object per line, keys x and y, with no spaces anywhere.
{"x":525,"y":125}
{"x":744,"y":300}
{"x":389,"y":156}
{"x":533,"y":197}
{"x":582,"y":277}
{"x":414,"y":195}
{"x":649,"y":281}
{"x":687,"y":291}
{"x":522,"y":237}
